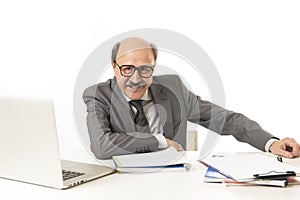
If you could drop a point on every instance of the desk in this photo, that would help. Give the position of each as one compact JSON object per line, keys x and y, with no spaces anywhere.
{"x":153,"y":186}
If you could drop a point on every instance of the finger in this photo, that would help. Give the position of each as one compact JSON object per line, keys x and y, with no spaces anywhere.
{"x":284,"y":153}
{"x":180,"y":148}
{"x":292,"y":146}
{"x":177,"y":147}
{"x":294,"y":149}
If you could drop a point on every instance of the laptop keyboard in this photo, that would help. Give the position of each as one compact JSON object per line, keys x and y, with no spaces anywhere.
{"x":70,"y":174}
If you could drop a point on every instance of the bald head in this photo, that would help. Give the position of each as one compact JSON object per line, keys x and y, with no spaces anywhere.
{"x":130,"y":45}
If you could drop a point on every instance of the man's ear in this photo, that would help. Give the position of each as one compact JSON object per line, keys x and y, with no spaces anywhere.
{"x":116,"y":71}
{"x":113,"y":64}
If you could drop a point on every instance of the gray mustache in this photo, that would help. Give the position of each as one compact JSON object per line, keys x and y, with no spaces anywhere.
{"x":132,"y":84}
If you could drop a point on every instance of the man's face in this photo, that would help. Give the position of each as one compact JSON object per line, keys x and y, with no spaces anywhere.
{"x":135,"y":86}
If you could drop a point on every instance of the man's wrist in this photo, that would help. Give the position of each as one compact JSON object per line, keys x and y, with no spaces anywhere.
{"x":162,"y":143}
{"x":269,"y":143}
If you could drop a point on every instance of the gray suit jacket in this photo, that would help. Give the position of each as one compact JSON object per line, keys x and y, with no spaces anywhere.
{"x":112,"y":130}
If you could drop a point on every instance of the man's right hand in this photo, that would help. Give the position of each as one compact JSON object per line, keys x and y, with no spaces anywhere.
{"x":286,"y":147}
{"x":174,"y":144}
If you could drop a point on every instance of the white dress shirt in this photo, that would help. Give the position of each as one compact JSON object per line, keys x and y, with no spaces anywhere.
{"x":153,"y":119}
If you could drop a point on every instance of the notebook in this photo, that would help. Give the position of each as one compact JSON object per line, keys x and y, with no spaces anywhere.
{"x":166,"y":159}
{"x":29,"y":147}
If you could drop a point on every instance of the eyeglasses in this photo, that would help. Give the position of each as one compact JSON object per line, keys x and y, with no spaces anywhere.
{"x":128,"y":70}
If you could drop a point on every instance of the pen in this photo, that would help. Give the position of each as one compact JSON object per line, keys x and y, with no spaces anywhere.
{"x":275,"y":175}
{"x":289,"y":149}
{"x":279,"y":158}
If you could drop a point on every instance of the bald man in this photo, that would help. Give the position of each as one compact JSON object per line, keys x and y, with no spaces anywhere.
{"x":137,"y":112}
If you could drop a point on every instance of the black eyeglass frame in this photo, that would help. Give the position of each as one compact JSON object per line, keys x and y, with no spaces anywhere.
{"x":136,"y":68}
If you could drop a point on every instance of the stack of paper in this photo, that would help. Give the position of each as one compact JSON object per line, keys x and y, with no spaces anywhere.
{"x":150,"y":162}
{"x":213,"y":176}
{"x":248,"y":169}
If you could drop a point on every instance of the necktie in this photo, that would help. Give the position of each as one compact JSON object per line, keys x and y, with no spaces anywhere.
{"x":140,"y":118}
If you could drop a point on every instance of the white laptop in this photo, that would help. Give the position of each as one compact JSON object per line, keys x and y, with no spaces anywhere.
{"x":29,"y":147}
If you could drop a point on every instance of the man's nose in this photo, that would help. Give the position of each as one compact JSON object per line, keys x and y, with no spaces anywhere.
{"x":135,"y":78}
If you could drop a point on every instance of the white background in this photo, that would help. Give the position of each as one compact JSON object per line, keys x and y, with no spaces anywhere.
{"x":255,"y":46}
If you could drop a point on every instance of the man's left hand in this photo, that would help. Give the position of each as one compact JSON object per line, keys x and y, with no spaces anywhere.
{"x":286,"y":147}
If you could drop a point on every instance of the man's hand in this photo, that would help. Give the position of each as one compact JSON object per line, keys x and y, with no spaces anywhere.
{"x":286,"y":147}
{"x":174,"y":144}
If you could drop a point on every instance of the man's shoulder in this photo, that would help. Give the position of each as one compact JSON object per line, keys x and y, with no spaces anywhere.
{"x":104,"y":87}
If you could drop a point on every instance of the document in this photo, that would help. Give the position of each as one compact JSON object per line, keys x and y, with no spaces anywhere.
{"x":247,"y":167}
{"x":149,"y":162}
{"x":213,"y":176}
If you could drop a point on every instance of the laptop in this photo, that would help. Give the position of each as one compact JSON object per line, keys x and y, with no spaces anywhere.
{"x":29,"y":147}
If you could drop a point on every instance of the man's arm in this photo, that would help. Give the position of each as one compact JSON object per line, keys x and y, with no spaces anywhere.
{"x":104,"y":142}
{"x":226,"y":122}
{"x":246,"y":130}
{"x":222,"y":121}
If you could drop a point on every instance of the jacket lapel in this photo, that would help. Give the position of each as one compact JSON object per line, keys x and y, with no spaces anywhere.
{"x":120,"y":111}
{"x":163,"y":106}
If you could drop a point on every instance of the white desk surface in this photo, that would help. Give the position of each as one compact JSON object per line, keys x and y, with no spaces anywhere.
{"x":155,"y":186}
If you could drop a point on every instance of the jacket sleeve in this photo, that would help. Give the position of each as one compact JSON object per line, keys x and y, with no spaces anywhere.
{"x":222,"y":121}
{"x":104,"y":142}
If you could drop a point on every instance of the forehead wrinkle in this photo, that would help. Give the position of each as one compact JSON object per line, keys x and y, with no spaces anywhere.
{"x":136,"y":57}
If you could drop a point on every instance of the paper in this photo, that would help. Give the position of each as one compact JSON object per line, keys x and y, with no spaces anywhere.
{"x":277,"y":183}
{"x":244,"y":166}
{"x":213,"y":176}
